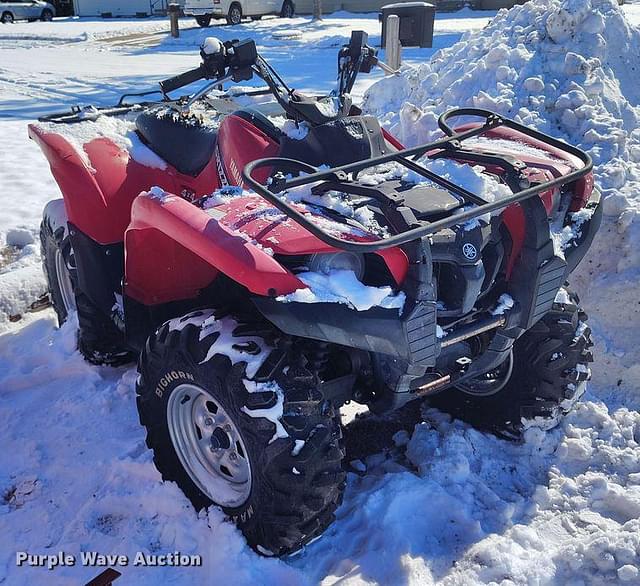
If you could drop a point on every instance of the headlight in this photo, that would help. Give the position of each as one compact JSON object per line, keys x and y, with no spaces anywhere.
{"x":337,"y":261}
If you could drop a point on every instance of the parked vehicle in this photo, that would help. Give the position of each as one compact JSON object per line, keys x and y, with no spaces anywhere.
{"x":201,"y":265}
{"x":30,"y":10}
{"x":234,"y":10}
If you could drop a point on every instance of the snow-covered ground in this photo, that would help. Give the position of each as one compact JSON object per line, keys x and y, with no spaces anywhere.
{"x":448,"y":504}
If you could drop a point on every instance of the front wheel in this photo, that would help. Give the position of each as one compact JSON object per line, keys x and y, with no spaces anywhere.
{"x":287,"y":10}
{"x":268,"y":453}
{"x":544,"y":380}
{"x":235,"y":14}
{"x":6,"y":18}
{"x":47,"y":15}
{"x":203,"y":21}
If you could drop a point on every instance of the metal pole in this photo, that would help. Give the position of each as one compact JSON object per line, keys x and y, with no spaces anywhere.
{"x":174,"y":13}
{"x":393,"y":48}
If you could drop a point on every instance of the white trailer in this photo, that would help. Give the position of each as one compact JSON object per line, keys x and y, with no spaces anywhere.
{"x":113,"y":7}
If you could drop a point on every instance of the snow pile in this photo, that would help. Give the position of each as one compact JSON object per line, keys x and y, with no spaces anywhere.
{"x":468,"y":508}
{"x":21,"y":280}
{"x":570,"y":69}
{"x":342,"y":286}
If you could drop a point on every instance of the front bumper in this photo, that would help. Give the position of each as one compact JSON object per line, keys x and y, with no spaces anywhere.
{"x":585,"y":231}
{"x":203,"y":11}
{"x":410,"y":336}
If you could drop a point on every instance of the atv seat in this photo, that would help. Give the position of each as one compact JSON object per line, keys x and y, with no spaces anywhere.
{"x":183,"y":143}
{"x":259,"y":115}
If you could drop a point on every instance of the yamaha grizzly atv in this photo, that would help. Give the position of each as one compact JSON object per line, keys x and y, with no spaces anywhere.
{"x":269,"y":263}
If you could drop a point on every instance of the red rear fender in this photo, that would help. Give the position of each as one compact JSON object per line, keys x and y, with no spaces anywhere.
{"x":82,"y":194}
{"x":100,"y":184}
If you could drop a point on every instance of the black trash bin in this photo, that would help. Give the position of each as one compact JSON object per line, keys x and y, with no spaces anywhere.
{"x":416,"y":22}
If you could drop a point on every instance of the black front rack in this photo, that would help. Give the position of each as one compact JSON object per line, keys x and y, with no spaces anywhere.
{"x":344,"y":179}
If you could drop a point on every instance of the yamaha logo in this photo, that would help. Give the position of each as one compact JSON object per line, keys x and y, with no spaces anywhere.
{"x":469,"y":251}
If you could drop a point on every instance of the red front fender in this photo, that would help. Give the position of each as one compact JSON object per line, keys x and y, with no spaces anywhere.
{"x":174,"y":249}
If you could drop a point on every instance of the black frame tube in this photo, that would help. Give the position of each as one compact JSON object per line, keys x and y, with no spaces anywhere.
{"x":492,"y":120}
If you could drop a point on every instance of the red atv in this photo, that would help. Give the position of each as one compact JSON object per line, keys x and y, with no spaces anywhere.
{"x":267,"y":266}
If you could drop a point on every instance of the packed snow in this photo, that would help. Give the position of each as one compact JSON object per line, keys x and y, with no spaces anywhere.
{"x":342,"y":286}
{"x":446,"y":504}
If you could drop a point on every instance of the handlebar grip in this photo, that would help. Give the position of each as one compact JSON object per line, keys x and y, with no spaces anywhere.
{"x":174,"y":83}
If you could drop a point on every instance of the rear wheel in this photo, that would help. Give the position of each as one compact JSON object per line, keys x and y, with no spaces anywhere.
{"x":99,"y":339}
{"x":6,"y":17}
{"x":203,"y":21}
{"x":267,"y":453}
{"x":287,"y":10}
{"x":235,"y":14}
{"x":47,"y":15}
{"x":57,"y":259}
{"x":549,"y":374}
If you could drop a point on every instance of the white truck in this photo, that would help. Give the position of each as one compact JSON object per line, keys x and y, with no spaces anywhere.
{"x":235,"y":10}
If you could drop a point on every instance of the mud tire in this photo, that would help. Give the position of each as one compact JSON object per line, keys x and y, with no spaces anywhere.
{"x":550,"y":372}
{"x":292,"y":497}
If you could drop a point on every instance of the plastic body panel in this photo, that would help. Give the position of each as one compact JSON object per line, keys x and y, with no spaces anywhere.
{"x":100,"y":186}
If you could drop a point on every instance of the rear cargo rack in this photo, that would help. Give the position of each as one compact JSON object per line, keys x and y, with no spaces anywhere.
{"x":344,"y":179}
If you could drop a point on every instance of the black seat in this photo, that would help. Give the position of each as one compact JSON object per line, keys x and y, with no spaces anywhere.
{"x":338,"y":142}
{"x":259,"y":115}
{"x":185,"y":144}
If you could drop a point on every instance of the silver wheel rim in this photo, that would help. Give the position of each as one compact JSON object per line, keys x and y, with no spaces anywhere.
{"x":209,"y":445}
{"x":236,"y":16}
{"x":64,"y":283}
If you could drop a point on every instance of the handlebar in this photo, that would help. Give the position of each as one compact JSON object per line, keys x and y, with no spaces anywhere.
{"x":219,"y":60}
{"x":178,"y":81}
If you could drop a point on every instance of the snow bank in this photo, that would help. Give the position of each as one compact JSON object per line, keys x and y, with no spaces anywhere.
{"x":568,"y":68}
{"x":467,"y":508}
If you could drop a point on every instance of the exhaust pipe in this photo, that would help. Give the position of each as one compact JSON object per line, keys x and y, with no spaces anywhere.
{"x":433,"y":386}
